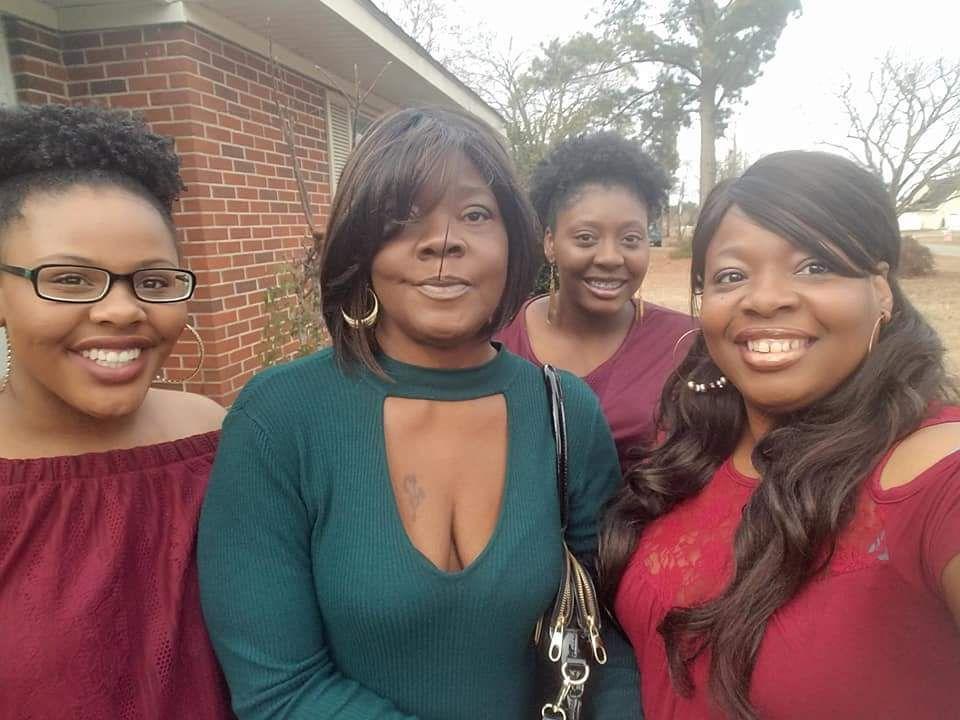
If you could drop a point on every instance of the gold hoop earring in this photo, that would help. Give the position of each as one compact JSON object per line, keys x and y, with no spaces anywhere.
{"x":369,"y":320}
{"x":875,"y":333}
{"x":8,"y":368}
{"x":638,"y":307}
{"x":719,"y":384}
{"x":552,"y":301}
{"x":161,"y":379}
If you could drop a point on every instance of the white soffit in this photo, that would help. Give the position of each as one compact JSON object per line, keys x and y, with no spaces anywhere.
{"x":339,"y":36}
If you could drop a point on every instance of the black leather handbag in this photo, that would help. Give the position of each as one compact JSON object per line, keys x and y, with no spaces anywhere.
{"x":567,"y":636}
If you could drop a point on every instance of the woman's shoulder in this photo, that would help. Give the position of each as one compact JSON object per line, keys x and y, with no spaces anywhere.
{"x":196,"y":414}
{"x":666,"y":317}
{"x":932,"y":451}
{"x":293,"y":380}
{"x":515,"y":336}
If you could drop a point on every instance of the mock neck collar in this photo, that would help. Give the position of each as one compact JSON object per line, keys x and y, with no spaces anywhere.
{"x":415,"y":381}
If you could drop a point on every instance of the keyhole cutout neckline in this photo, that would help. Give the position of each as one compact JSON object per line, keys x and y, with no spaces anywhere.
{"x":492,"y":378}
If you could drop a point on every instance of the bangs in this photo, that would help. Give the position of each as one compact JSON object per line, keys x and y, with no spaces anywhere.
{"x":804,"y":224}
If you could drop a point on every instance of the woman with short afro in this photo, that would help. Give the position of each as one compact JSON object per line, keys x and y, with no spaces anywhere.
{"x":101,"y":475}
{"x":596,"y":196}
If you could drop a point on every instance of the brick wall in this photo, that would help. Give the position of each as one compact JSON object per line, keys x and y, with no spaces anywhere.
{"x":240,"y":221}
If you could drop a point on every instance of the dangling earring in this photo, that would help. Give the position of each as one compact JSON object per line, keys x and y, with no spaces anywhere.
{"x":369,"y":320}
{"x":719,"y":384}
{"x":161,"y":379}
{"x":638,"y":307}
{"x":875,"y":335}
{"x":552,"y":302}
{"x":8,"y":366}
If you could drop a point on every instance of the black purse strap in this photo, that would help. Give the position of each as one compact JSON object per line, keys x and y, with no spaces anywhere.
{"x":559,"y":423}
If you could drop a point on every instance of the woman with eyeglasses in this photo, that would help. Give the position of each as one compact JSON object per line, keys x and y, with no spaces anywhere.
{"x":101,"y":476}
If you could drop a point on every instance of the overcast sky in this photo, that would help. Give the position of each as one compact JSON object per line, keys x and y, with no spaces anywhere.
{"x":793,"y":105}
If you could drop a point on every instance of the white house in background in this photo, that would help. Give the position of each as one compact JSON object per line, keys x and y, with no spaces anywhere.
{"x":937,"y":209}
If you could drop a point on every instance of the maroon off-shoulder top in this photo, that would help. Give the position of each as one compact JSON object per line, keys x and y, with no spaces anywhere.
{"x":99,"y":608}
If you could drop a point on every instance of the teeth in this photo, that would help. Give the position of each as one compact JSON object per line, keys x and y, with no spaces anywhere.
{"x":606,"y":284}
{"x":112,"y":358}
{"x":776,"y":346}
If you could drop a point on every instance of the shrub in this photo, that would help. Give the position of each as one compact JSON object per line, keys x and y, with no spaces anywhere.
{"x":915,"y":259}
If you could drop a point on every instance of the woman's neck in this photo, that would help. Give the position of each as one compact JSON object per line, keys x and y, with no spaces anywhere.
{"x":42,"y":424}
{"x":757,"y":426}
{"x":572,"y":319}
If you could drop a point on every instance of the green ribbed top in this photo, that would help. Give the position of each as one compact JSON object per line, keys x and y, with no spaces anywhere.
{"x":319,"y":605}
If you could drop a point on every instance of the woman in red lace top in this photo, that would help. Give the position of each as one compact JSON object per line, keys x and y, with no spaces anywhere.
{"x":792,"y":550}
{"x":101,"y":477}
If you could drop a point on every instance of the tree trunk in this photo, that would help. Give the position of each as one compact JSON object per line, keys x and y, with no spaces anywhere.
{"x":708,"y":140}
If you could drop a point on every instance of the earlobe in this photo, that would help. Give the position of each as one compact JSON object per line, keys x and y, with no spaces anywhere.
{"x":882,"y":289}
{"x":549,"y":251}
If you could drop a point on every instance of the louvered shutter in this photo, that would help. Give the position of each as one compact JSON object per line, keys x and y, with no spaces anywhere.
{"x":338,"y":119}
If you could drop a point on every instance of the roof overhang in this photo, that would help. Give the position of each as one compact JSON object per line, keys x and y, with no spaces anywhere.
{"x":340,"y":43}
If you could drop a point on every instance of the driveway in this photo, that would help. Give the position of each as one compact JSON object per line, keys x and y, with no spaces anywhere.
{"x":952,"y":249}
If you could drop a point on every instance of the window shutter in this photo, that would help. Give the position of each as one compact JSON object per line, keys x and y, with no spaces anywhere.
{"x":341,"y":141}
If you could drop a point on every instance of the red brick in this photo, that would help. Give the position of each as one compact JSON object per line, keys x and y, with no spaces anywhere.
{"x":17,"y":29}
{"x":125,"y":69}
{"x":32,"y":97}
{"x":123,"y":37}
{"x":82,"y":41}
{"x":40,"y":84}
{"x":155,"y":114}
{"x":171,"y":65}
{"x":197,"y":145}
{"x":214,"y":103}
{"x":146,"y":84}
{"x":146,"y":50}
{"x":112,"y":54}
{"x":209,"y":43}
{"x":25,"y":47}
{"x":226,"y":93}
{"x":186,"y":80}
{"x":173,"y":31}
{"x":211,"y":73}
{"x":175,"y":97}
{"x":108,"y":87}
{"x":182,"y":47}
{"x":218,"y":134}
{"x":78,"y":89}
{"x":24,"y":64}
{"x":56,"y":72}
{"x":73,"y":57}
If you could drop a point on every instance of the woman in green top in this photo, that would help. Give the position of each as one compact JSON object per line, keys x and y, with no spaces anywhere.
{"x":382,"y":528}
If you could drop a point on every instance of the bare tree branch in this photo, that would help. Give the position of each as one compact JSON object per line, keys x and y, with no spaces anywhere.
{"x":906,"y":124}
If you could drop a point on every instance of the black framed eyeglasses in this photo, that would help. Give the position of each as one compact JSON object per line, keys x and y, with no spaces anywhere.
{"x":87,"y":284}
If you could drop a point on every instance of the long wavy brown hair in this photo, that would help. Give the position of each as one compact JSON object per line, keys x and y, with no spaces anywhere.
{"x":814,"y":460}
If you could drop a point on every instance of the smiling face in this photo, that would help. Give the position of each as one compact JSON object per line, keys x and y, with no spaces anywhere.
{"x":97,"y":358}
{"x":780,"y":324}
{"x":599,"y":244}
{"x":441,"y":277}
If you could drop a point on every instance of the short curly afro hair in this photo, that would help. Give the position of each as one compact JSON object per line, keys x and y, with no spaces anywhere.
{"x":603,"y":158}
{"x":51,"y":148}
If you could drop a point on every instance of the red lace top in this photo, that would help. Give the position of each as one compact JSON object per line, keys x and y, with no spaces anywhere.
{"x":871,"y":638}
{"x":99,"y":608}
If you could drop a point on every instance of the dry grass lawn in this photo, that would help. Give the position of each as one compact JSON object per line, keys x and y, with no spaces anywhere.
{"x":937,"y":297}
